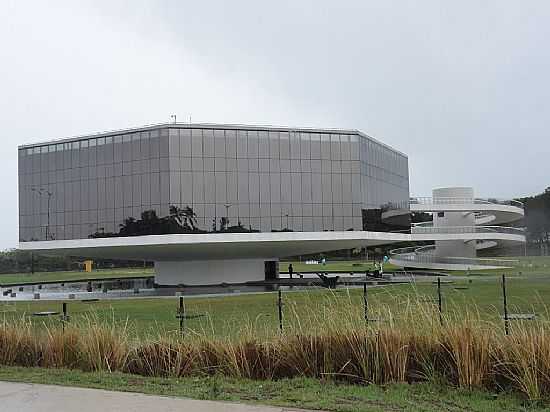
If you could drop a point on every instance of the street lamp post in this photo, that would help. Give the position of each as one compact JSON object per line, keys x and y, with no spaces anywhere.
{"x":41,"y":192}
{"x":227,"y":206}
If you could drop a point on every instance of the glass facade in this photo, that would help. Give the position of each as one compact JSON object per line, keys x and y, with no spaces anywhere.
{"x":210,"y":179}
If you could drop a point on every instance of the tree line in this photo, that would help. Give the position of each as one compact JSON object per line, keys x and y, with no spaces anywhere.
{"x":537,"y":221}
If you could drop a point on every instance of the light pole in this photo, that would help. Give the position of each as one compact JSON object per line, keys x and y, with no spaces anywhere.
{"x":286,"y":215}
{"x":41,"y":192}
{"x":227,"y":206}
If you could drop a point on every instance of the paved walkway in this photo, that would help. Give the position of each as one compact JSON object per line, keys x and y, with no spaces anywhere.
{"x":24,"y":397}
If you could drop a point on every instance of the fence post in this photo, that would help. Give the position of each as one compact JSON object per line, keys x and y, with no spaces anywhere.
{"x":181,"y":315}
{"x":365,"y":303}
{"x":64,"y":316}
{"x":506,"y":321}
{"x":280,"y":304}
{"x":439,"y":301}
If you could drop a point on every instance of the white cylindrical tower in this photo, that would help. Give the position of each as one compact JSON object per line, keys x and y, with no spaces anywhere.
{"x":450,"y":196}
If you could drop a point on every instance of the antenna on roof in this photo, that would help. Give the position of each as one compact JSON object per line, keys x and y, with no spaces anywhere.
{"x":189,"y":119}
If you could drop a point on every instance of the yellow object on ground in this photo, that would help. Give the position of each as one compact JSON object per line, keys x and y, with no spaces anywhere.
{"x":88,"y":265}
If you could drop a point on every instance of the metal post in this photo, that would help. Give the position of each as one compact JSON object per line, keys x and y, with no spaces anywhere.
{"x":280,"y":304}
{"x":365,"y":303}
{"x":227,"y":206}
{"x":64,"y":316}
{"x":439,"y":301}
{"x":48,"y":222}
{"x":506,"y":321}
{"x":181,"y":315}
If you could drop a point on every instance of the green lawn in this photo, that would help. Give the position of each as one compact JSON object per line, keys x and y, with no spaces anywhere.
{"x":22,"y":278}
{"x":228,"y":315}
{"x":526,"y":265}
{"x":293,"y":393}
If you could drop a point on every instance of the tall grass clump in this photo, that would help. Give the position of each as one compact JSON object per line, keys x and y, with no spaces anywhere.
{"x":61,"y":347}
{"x":162,"y":358}
{"x":103,"y":346}
{"x":18,"y":344}
{"x":523,"y":360}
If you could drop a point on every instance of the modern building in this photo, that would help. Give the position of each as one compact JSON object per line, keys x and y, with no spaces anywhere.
{"x":214,"y":204}
{"x":211,"y":203}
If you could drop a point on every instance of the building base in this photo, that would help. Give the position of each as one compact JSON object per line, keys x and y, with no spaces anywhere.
{"x":213,"y":272}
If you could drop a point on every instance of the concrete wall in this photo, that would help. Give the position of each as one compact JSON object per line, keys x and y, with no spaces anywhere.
{"x":209,"y":272}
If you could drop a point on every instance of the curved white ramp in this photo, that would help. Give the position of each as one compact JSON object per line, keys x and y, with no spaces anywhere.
{"x":462,"y":225}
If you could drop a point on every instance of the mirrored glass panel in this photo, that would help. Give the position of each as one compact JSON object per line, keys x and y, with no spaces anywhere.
{"x":179,"y":179}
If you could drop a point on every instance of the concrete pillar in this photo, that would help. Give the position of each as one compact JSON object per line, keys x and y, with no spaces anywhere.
{"x":209,"y":272}
{"x":271,"y":269}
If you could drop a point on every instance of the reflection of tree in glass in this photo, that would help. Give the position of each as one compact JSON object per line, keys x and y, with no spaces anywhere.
{"x":178,"y":220}
{"x":223,"y":224}
{"x":185,"y":217}
{"x":191,"y":217}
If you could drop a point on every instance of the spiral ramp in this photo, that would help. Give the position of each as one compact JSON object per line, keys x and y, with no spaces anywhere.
{"x":461,"y":226}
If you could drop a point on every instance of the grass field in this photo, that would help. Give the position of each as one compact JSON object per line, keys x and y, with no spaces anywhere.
{"x":290,"y":393}
{"x":226,"y":316}
{"x":23,"y":278}
{"x":526,"y":265}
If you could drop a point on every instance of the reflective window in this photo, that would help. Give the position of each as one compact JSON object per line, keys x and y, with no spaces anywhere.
{"x":254,"y":179}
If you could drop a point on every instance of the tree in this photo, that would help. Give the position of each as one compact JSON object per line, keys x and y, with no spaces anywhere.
{"x":537,"y":218}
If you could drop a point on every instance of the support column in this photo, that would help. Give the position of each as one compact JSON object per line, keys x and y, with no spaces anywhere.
{"x":271,"y":269}
{"x":209,"y":272}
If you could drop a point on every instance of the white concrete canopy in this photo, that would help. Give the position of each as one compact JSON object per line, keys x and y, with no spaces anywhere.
{"x":183,"y":247}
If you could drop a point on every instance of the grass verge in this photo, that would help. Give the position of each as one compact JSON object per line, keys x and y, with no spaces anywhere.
{"x":298,"y":392}
{"x":30,"y":278}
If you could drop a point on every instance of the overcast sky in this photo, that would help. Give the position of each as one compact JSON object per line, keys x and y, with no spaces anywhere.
{"x":461,"y":87}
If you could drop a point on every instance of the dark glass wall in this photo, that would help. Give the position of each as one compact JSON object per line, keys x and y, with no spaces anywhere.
{"x":385,"y":183}
{"x":182,"y":179}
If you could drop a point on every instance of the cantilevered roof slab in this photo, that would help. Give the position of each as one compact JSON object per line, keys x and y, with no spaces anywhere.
{"x":175,"y":247}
